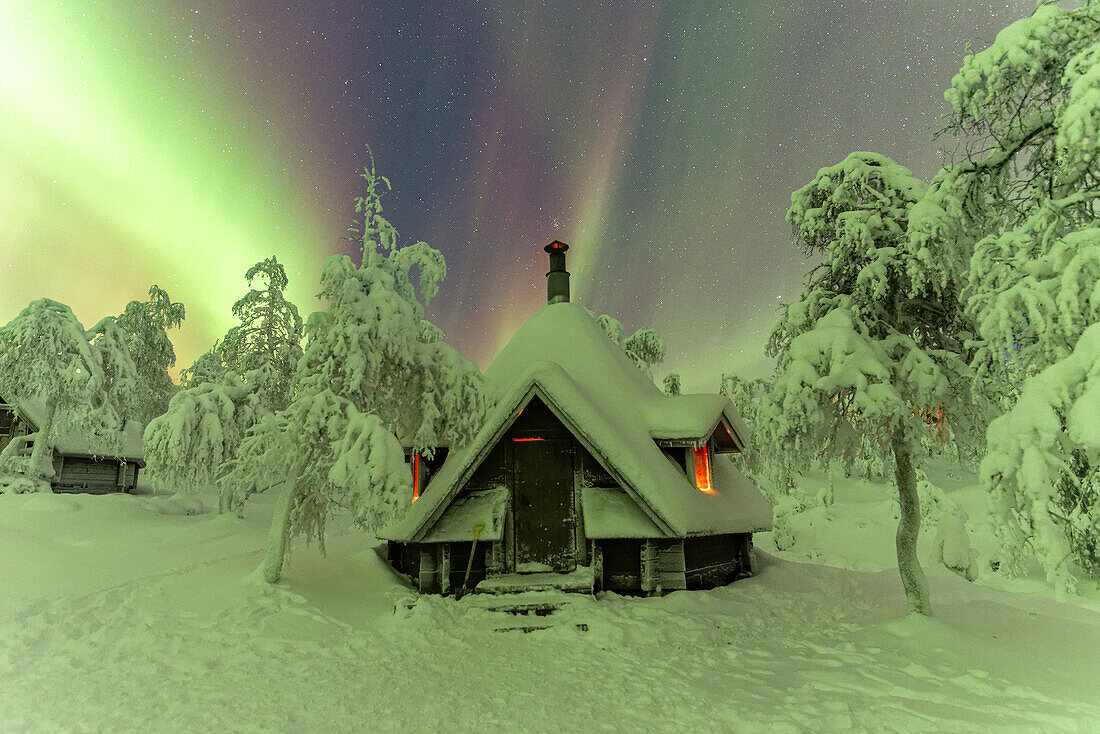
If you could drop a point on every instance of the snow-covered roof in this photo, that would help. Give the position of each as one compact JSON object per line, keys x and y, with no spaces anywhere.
{"x":563,"y":357}
{"x":567,"y":335}
{"x":459,"y":521}
{"x":609,"y":512}
{"x":75,"y":443}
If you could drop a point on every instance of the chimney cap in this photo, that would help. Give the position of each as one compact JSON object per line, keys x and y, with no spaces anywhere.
{"x":556,"y":246}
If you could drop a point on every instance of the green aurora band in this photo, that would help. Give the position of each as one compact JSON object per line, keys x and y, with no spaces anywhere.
{"x":117,"y":174}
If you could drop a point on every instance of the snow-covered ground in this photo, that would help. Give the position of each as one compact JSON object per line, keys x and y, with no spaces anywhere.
{"x":118,"y":613}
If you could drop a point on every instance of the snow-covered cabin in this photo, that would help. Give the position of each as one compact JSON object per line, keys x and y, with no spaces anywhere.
{"x":585,"y":475}
{"x":82,"y":463}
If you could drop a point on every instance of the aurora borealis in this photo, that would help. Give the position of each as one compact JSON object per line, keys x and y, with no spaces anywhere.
{"x":161,"y":142}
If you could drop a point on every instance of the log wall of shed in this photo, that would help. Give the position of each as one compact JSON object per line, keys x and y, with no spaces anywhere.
{"x":92,"y":476}
{"x":715,"y":560}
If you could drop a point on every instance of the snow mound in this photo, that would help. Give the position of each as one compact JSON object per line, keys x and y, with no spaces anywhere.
{"x":49,"y":502}
{"x":179,"y":504}
{"x":799,"y":647}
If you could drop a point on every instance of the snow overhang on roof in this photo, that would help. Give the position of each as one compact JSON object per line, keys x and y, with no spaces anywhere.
{"x":460,"y":520}
{"x":125,"y":444}
{"x":609,"y":512}
{"x":693,"y":420}
{"x":563,"y":356}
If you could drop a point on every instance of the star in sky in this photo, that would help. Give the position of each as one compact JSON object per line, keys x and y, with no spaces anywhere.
{"x":159,"y":143}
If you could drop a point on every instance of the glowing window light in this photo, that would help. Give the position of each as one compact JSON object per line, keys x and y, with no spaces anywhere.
{"x":416,"y":476}
{"x":702,"y":469}
{"x":532,"y":438}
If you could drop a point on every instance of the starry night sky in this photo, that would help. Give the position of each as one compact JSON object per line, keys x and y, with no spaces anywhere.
{"x":172,"y":143}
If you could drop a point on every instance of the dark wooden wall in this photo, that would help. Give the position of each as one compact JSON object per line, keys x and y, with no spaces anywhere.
{"x":715,"y":560}
{"x":10,"y":425}
{"x":622,"y":564}
{"x":460,"y":556}
{"x":93,"y":476}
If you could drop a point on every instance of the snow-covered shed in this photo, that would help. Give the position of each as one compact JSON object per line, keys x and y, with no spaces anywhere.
{"x":81,"y":462}
{"x":586,"y":471}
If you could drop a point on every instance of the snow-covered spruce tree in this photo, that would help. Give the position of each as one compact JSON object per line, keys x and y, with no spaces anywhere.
{"x":1043,"y":469}
{"x":755,"y":459}
{"x":244,"y":377}
{"x":123,"y":386}
{"x":269,"y":336}
{"x":208,"y":367}
{"x":612,"y":327}
{"x":146,"y":325}
{"x":46,"y":355}
{"x":672,"y":384}
{"x":1021,"y":203}
{"x":1032,"y":99}
{"x":866,"y":352}
{"x":645,"y":347}
{"x":375,"y":375}
{"x":187,"y":446}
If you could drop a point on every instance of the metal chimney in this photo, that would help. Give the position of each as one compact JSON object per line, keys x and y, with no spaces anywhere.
{"x":557,"y":280}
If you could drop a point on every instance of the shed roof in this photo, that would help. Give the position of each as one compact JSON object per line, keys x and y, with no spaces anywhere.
{"x":562,"y":356}
{"x":461,"y":519}
{"x":75,"y":443}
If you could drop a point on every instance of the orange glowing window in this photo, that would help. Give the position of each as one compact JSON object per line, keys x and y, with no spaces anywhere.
{"x":702,"y":469}
{"x":532,"y":438}
{"x":416,"y":476}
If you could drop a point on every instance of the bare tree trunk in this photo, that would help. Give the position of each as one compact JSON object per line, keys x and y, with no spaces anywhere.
{"x":912,"y":575}
{"x":279,"y":534}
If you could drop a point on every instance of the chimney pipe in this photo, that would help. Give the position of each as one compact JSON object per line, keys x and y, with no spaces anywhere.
{"x":557,"y":280}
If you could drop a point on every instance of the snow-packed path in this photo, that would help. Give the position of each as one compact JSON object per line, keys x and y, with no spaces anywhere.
{"x":800,"y":648}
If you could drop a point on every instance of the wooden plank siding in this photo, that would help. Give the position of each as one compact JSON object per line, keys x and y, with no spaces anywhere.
{"x":11,"y":425}
{"x":93,"y":476}
{"x":717,"y":559}
{"x":73,"y":473}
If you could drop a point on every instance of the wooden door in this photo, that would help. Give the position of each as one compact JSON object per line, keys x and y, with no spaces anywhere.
{"x":543,"y":505}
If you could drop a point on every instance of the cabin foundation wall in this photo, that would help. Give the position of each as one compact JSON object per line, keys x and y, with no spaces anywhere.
{"x":620,"y":560}
{"x":460,"y":558}
{"x":717,"y":559}
{"x":626,"y":565}
{"x":427,"y":580}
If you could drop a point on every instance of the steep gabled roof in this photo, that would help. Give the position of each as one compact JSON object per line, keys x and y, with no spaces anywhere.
{"x":563,"y":356}
{"x":569,"y":336}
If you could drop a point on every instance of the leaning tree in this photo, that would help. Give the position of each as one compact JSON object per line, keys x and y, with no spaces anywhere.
{"x":867,"y":354}
{"x":375,"y":377}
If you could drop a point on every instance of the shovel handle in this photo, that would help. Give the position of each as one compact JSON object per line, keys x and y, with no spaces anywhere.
{"x":478,"y":527}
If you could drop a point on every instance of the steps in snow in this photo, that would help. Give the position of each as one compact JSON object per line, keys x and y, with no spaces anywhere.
{"x":581,"y":580}
{"x":525,"y":611}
